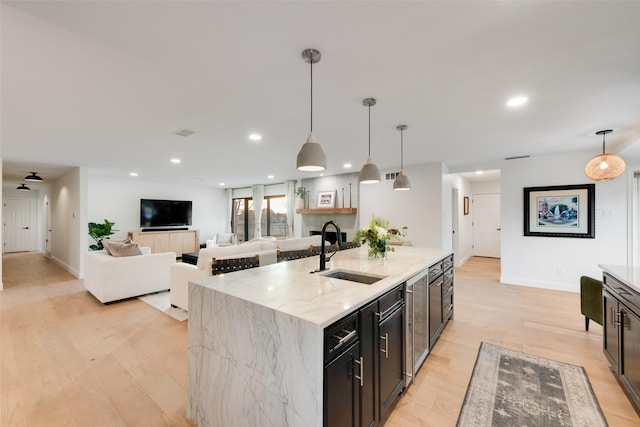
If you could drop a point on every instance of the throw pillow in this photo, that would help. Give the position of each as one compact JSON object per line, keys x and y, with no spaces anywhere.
{"x":106,"y":247}
{"x":121,"y":249}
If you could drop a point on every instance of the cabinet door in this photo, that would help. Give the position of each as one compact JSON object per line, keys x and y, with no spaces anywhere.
{"x":391,"y":356}
{"x":629,"y":360}
{"x":368,"y":350}
{"x":610,"y":330}
{"x":342,"y":390}
{"x":435,"y":310}
{"x":421,"y":322}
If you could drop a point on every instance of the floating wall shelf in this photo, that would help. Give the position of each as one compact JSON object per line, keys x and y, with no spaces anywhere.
{"x":324,"y":211}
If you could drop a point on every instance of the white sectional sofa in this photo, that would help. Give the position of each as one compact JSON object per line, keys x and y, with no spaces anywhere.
{"x":111,"y":278}
{"x":182,"y":273}
{"x":301,"y":243}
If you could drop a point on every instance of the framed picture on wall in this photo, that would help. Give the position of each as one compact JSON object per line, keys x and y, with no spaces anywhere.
{"x":326,"y":199}
{"x":560,"y":211}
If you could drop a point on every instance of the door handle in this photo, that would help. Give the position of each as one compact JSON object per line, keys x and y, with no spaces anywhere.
{"x":498,"y":229}
{"x":361,"y":364}
{"x":386,"y":345}
{"x":25,"y":228}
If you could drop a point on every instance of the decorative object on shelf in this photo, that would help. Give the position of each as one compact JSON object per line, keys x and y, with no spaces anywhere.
{"x":369,"y":174}
{"x":560,"y":211}
{"x":98,"y":232}
{"x":33,"y":177}
{"x":349,"y":194}
{"x":343,"y":197}
{"x":377,"y":236}
{"x":326,"y":199}
{"x":301,"y":192}
{"x":22,"y":187}
{"x":311,"y":157}
{"x":402,"y":181}
{"x":605,"y":166}
{"x":465,"y":205}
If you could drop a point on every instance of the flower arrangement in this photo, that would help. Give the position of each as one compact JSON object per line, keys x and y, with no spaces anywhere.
{"x":377,"y":235}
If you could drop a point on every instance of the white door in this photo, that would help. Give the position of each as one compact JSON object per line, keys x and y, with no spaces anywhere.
{"x":17,"y":227}
{"x":47,"y":243}
{"x":486,"y":225}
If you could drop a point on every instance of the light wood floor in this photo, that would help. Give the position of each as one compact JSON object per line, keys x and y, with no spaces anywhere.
{"x":67,"y":360}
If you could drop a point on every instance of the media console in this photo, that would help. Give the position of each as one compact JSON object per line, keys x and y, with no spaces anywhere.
{"x":178,"y":241}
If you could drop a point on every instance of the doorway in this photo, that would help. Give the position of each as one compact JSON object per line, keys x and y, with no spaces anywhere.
{"x":486,"y":225}
{"x":16,"y":214}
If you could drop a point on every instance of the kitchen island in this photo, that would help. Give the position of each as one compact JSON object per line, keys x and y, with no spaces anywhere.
{"x":256,"y":337}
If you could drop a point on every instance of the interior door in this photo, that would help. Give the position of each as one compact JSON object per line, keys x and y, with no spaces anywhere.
{"x":486,"y":225}
{"x":17,"y":227}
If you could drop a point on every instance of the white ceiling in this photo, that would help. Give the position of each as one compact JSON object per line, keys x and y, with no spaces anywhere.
{"x":103,"y":84}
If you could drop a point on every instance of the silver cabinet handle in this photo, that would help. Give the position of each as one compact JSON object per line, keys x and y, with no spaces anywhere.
{"x":386,"y":345}
{"x":344,"y":339}
{"x":361,"y":364}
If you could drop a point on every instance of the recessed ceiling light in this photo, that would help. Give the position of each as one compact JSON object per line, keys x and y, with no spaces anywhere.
{"x":221,"y":184}
{"x":347,"y":165}
{"x":175,"y":160}
{"x":133,"y":173}
{"x":479,"y":172}
{"x":517,"y":101}
{"x":270,"y":176}
{"x":255,"y":137}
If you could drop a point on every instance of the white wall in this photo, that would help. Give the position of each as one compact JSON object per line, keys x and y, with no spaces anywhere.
{"x":68,"y":214}
{"x":118,"y":200}
{"x":421,"y":209}
{"x":465,"y":223}
{"x":555,"y":262}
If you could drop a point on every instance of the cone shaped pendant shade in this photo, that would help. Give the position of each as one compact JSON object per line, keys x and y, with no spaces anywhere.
{"x":605,"y":166}
{"x":402,"y":181}
{"x":369,"y":174}
{"x":311,"y":157}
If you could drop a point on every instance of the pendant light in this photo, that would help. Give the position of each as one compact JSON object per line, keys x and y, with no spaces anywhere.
{"x":311,"y":157}
{"x":402,"y":181}
{"x":33,"y":177}
{"x":22,"y":187}
{"x":605,"y":166}
{"x":369,"y":174}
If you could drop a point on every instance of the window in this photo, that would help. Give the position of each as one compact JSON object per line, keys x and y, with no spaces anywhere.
{"x":274,"y":221}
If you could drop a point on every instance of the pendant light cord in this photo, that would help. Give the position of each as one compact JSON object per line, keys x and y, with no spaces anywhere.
{"x":401,"y":149}
{"x":311,"y":64}
{"x":603,"y":143}
{"x":369,"y":129}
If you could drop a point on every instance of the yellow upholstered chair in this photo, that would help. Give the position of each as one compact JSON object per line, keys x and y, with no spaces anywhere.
{"x":591,"y":300}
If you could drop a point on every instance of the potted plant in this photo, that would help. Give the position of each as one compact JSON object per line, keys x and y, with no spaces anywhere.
{"x":100,"y":231}
{"x":301,"y":192}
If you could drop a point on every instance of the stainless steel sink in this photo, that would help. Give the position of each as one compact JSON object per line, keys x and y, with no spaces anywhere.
{"x":353,"y":276}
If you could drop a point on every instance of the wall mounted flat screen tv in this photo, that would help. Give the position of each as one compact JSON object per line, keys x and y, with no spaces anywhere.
{"x":165,"y":213}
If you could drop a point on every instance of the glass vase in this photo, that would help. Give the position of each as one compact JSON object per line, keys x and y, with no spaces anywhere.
{"x":378,"y":250}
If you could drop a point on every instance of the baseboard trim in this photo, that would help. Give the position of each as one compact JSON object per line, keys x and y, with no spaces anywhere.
{"x":554,"y":286}
{"x":64,"y":265}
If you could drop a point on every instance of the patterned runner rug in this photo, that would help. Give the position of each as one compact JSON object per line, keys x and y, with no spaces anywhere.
{"x":509,"y":388}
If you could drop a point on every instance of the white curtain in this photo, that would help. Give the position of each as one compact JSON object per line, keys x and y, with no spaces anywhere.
{"x":230,"y":207}
{"x":290,"y":193}
{"x":258,"y":197}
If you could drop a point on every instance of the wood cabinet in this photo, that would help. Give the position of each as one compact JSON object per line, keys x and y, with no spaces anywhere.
{"x":373,"y":363}
{"x":621,"y":334}
{"x":178,"y":241}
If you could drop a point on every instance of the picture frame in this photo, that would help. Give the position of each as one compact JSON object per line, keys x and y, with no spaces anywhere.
{"x":560,"y":211}
{"x":326,"y":199}
{"x":465,"y":205}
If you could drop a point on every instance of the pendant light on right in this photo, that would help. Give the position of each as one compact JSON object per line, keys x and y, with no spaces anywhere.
{"x":605,"y":166}
{"x":402,"y":181}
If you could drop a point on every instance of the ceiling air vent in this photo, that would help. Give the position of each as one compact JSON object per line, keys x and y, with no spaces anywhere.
{"x":183,"y":132}
{"x":391,"y":176}
{"x":517,"y":157}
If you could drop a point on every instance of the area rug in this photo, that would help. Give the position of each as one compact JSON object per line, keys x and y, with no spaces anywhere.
{"x":161,"y":301}
{"x":509,"y":388}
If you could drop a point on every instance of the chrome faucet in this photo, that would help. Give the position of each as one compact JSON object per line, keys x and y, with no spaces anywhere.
{"x":323,"y":256}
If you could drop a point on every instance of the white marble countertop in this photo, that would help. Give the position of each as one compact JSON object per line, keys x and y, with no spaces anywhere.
{"x":629,"y":275}
{"x":289,"y":288}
